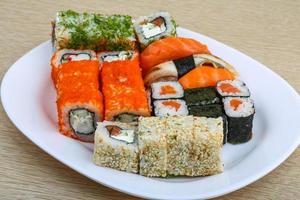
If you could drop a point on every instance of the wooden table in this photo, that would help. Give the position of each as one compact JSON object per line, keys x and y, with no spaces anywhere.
{"x":268,"y":31}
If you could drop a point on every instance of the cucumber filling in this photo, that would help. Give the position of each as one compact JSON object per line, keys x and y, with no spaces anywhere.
{"x":154,"y":27}
{"x":114,"y":56}
{"x":82,"y":121}
{"x":126,"y":118}
{"x":124,"y":135}
{"x":67,"y":57}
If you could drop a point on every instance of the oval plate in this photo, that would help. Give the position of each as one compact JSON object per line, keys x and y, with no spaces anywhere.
{"x":28,"y":97}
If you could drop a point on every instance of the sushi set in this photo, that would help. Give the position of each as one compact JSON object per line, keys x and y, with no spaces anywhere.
{"x":152,"y":102}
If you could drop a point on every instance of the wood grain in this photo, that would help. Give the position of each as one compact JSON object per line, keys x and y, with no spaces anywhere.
{"x":268,"y":31}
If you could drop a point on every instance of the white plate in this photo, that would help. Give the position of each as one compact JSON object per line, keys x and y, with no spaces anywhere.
{"x":29,"y":98}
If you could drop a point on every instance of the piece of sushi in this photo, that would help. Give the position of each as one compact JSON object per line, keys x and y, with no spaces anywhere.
{"x":67,"y":55}
{"x":79,"y":103}
{"x":152,"y":146}
{"x":154,"y":27}
{"x":240,"y":113}
{"x":72,"y":30}
{"x":111,"y":56}
{"x":205,"y":76}
{"x":166,"y":90}
{"x":175,"y":69}
{"x":170,"y":107}
{"x":207,"y":146}
{"x":232,"y":88}
{"x":123,"y":88}
{"x":116,"y":146}
{"x":179,"y":145}
{"x":212,"y":110}
{"x":201,"y":96}
{"x":170,"y":48}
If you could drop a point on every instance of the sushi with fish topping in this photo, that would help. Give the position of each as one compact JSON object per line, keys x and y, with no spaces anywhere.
{"x":175,"y":69}
{"x":154,"y":27}
{"x":233,"y":88}
{"x":72,"y":30}
{"x":240,"y":112}
{"x":116,"y":146}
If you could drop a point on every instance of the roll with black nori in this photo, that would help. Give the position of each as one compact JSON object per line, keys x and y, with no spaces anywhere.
{"x":201,"y":96}
{"x":240,"y":113}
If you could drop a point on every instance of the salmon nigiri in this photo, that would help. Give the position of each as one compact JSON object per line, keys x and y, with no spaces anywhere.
{"x":205,"y":76}
{"x":169,"y":48}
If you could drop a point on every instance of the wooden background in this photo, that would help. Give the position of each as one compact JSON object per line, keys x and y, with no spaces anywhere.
{"x":268,"y":31}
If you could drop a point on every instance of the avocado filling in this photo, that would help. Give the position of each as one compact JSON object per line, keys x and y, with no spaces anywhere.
{"x":82,"y":121}
{"x":126,"y":118}
{"x":114,"y":56}
{"x":124,"y":135}
{"x":67,"y":57}
{"x":154,"y":27}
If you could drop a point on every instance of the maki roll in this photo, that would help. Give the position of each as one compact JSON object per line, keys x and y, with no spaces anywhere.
{"x":232,"y":88}
{"x":175,"y":69}
{"x":166,"y":90}
{"x":94,"y":31}
{"x":125,"y":98}
{"x":154,"y":27}
{"x":116,"y":146}
{"x":79,"y":102}
{"x":170,"y":107}
{"x":213,"y":110}
{"x":152,"y":146}
{"x":201,"y":96}
{"x":68,"y":55}
{"x":240,"y":113}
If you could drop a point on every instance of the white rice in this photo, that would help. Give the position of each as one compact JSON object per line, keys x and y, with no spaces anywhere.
{"x":245,"y":109}
{"x":162,"y":110}
{"x":244,"y":91}
{"x":156,"y":88}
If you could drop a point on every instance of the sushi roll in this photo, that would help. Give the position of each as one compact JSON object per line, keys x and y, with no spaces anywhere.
{"x":115,"y":55}
{"x":152,"y":146}
{"x":232,"y":88}
{"x":240,"y":113}
{"x":125,"y":97}
{"x":79,"y":103}
{"x":116,"y":146}
{"x":154,"y":27}
{"x":170,"y":107}
{"x":201,"y":96}
{"x":170,"y":48}
{"x":179,"y":145}
{"x":67,"y":55}
{"x":177,"y":68}
{"x":207,"y":146}
{"x":72,"y":30}
{"x":212,"y":110}
{"x":166,"y":90}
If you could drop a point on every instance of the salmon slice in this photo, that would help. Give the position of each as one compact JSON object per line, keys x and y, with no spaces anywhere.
{"x":169,"y":48}
{"x":205,"y":76}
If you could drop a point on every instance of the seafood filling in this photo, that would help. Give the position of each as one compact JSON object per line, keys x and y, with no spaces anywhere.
{"x":113,"y":56}
{"x":154,"y":27}
{"x":82,"y":121}
{"x":125,"y":135}
{"x":67,"y":57}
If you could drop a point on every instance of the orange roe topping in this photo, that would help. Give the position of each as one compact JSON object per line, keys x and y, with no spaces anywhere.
{"x":235,"y":103}
{"x":167,"y":89}
{"x":172,"y":104}
{"x":227,"y":87}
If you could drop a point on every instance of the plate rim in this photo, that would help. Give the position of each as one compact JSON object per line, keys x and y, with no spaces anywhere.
{"x":232,"y":187}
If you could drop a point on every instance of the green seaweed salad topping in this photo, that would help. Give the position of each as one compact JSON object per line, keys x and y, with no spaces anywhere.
{"x":94,"y":31}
